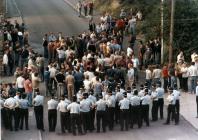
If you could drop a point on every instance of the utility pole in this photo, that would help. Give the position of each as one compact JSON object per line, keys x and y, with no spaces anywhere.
{"x":162,"y":31}
{"x":171,"y":31}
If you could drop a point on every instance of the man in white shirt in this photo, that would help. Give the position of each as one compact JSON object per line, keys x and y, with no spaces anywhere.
{"x":52,"y":113}
{"x":157,"y":72}
{"x":20,"y":84}
{"x":130,"y":75}
{"x":5,"y":63}
{"x":193,"y":74}
{"x":38,"y":109}
{"x":53,"y":72}
{"x":74,"y":109}
{"x":64,"y":115}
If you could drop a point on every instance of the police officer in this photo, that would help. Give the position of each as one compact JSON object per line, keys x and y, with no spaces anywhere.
{"x":74,"y":109}
{"x":101,"y":113}
{"x":111,"y":109}
{"x":171,"y":105}
{"x":154,"y":97}
{"x":10,"y":104}
{"x":3,"y":112}
{"x":24,"y":112}
{"x":146,"y":99}
{"x":18,"y":109}
{"x":176,"y":94}
{"x":85,"y":107}
{"x":124,"y":112}
{"x":52,"y":113}
{"x":64,"y":115}
{"x":119,"y":96}
{"x":160,"y":93}
{"x":135,"y":109}
{"x":93,"y":99}
{"x":38,"y":109}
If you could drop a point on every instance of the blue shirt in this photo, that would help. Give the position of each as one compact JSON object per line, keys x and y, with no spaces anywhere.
{"x":23,"y":104}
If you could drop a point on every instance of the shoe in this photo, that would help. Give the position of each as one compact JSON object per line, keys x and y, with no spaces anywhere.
{"x":43,"y":130}
{"x":166,"y":123}
{"x":27,"y":128}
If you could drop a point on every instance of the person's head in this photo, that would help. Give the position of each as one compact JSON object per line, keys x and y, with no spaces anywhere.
{"x":62,"y":97}
{"x":135,"y":92}
{"x":74,"y":98}
{"x":125,"y":95}
{"x":170,"y":90}
{"x":128,"y":89}
{"x":24,"y":96}
{"x":146,"y":91}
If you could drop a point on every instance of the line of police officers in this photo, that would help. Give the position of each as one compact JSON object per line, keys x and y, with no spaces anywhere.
{"x":125,"y":107}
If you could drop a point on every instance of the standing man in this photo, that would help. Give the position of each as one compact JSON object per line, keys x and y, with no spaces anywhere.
{"x":11,"y":104}
{"x":85,"y":107}
{"x":60,"y":79}
{"x":154,"y":97}
{"x":52,"y":113}
{"x":135,"y":109}
{"x":69,"y":80}
{"x":124,"y":112}
{"x":38,"y":109}
{"x":79,"y":7}
{"x":24,"y":113}
{"x":111,"y":101}
{"x":176,"y":94}
{"x":74,"y":109}
{"x":101,"y":114}
{"x":171,"y":106}
{"x":146,"y":99}
{"x":160,"y":94}
{"x":64,"y":114}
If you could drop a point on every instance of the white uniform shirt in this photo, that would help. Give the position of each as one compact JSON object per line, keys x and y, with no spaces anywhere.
{"x":146,"y":100}
{"x":160,"y":92}
{"x":62,"y":106}
{"x":38,"y":100}
{"x":197,"y":90}
{"x":10,"y":103}
{"x":85,"y":105}
{"x":52,"y":104}
{"x":154,"y":95}
{"x":176,"y":94}
{"x":101,"y":105}
{"x":135,"y":100}
{"x":124,"y":103}
{"x":171,"y":99}
{"x":74,"y":108}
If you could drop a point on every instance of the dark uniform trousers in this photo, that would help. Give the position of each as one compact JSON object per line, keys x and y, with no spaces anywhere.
{"x":100,"y":116}
{"x":11,"y":114}
{"x":24,"y":116}
{"x":171,"y":111}
{"x":117,"y":113}
{"x":39,"y":116}
{"x":145,"y":114}
{"x":136,"y":116}
{"x":124,"y":118}
{"x":17,"y":116}
{"x":92,"y":118}
{"x":86,"y":121}
{"x":65,"y":121}
{"x":177,"y":110}
{"x":161,"y":107}
{"x":155,"y":111}
{"x":75,"y":120}
{"x":52,"y":119}
{"x":4,"y":118}
{"x":111,"y":112}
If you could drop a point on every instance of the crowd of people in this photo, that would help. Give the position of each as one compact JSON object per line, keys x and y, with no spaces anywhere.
{"x":93,"y":78}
